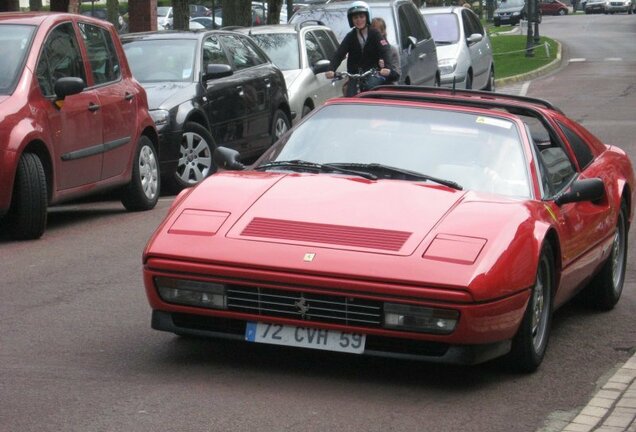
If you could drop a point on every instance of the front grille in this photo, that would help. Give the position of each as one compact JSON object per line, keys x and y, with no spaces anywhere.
{"x":305,"y":306}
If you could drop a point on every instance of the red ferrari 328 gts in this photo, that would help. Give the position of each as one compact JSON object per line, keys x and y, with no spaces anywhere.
{"x":416,"y":222}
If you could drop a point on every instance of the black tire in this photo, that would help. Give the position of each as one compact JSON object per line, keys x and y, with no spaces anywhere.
{"x":490,"y":85}
{"x":469,"y":81}
{"x":26,"y":219}
{"x":531,"y":341}
{"x":280,"y":125}
{"x":605,"y":289}
{"x":195,"y":160}
{"x":142,"y":193}
{"x":306,"y":110}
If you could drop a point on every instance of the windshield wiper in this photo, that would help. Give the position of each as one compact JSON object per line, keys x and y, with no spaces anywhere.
{"x":391,"y":171}
{"x":305,"y":165}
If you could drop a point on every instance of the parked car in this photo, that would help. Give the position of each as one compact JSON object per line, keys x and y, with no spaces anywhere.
{"x":440,"y":232}
{"x":205,"y":88}
{"x":617,"y":6}
{"x":464,"y":53}
{"x":165,"y":18}
{"x":595,"y":6}
{"x":405,"y":28}
{"x":73,"y":119}
{"x":553,"y":7}
{"x":298,"y":50}
{"x":509,"y":12}
{"x":199,"y":11}
{"x":203,"y":22}
{"x":122,"y":25}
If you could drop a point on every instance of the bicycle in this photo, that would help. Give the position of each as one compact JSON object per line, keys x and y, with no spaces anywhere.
{"x":361,"y":81}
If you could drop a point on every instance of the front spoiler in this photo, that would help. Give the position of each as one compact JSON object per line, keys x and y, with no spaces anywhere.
{"x":381,"y":346}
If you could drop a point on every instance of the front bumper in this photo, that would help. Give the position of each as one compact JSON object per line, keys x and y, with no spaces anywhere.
{"x":618,"y":8}
{"x":437,"y":352}
{"x":507,"y":20}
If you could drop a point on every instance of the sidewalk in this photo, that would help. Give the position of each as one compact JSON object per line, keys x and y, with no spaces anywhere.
{"x":613,"y":407}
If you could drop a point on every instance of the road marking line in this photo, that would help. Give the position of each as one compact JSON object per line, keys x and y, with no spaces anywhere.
{"x":524,"y":88}
{"x":612,"y":59}
{"x":578,"y":60}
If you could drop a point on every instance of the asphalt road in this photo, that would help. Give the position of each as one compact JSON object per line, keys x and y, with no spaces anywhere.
{"x":77,"y":352}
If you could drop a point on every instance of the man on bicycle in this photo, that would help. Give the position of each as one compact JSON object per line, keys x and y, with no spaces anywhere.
{"x":364,"y":47}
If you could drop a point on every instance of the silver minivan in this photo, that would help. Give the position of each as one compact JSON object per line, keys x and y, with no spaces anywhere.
{"x":464,"y":53}
{"x":405,"y":28}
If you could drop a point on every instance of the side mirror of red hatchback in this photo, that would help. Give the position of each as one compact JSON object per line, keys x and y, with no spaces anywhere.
{"x":68,"y":86}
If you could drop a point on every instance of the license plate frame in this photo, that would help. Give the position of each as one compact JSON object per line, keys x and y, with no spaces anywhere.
{"x":305,"y":337}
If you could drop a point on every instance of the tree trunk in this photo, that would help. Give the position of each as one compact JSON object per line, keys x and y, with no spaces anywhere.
{"x":237,"y":12}
{"x":9,"y":5}
{"x":35,"y":5}
{"x":59,"y":5}
{"x":181,"y":15}
{"x":273,"y":11}
{"x":112,"y":10}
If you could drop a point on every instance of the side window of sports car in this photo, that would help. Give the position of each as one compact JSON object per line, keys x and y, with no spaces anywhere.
{"x":581,"y":150}
{"x":60,"y":57}
{"x":101,"y":53}
{"x":555,"y":168}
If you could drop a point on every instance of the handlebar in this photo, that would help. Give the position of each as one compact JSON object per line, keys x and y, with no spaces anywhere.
{"x":341,"y":75}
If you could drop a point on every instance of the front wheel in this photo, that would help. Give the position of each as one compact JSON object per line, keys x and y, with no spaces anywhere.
{"x":490,"y":84}
{"x":195,"y":158}
{"x":606,"y":288}
{"x":142,"y":193}
{"x":531,"y":341}
{"x":27,"y":215}
{"x":280,"y":125}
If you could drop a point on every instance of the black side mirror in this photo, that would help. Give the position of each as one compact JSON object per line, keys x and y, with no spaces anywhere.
{"x":213,"y":71}
{"x":321,"y":66}
{"x":68,"y":86}
{"x":227,"y":158}
{"x":591,"y":189}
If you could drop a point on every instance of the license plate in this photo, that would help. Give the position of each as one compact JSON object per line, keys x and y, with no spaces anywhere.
{"x":305,"y":337}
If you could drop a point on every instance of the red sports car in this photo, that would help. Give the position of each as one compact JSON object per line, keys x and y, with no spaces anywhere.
{"x":418,"y":222}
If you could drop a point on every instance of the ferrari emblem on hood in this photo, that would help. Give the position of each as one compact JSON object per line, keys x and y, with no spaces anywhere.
{"x":309,"y":257}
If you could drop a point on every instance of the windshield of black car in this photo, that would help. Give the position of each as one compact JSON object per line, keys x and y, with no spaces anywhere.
{"x":156,"y":60}
{"x":478,"y":152}
{"x":282,"y":49}
{"x":444,"y":27}
{"x":14,"y":46}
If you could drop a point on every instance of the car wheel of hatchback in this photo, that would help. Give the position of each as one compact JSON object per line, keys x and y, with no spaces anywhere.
{"x":142,"y":193}
{"x":27,"y":215}
{"x":195,"y":157}
{"x":280,"y":125}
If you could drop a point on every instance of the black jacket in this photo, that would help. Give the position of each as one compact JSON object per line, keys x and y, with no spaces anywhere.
{"x":359,"y":59}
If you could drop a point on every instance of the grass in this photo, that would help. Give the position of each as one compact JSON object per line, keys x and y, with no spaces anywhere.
{"x":510,"y":55}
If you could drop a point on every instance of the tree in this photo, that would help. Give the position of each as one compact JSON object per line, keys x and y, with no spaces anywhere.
{"x":35,"y":5}
{"x":9,"y":5}
{"x":112,"y":10}
{"x":237,"y":12}
{"x":180,"y":14}
{"x":273,"y":11}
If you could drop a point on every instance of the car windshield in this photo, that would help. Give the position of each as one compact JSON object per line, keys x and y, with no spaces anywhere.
{"x":478,"y":152}
{"x":282,"y":49}
{"x":443,"y":27}
{"x":162,"y":11}
{"x":161,"y":59}
{"x":337,"y":20}
{"x":510,"y":3}
{"x":14,"y":45}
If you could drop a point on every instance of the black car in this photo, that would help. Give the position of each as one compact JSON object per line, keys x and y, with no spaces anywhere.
{"x":206,"y":89}
{"x":509,"y":12}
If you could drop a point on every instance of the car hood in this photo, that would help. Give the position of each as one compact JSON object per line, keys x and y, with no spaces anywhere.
{"x":168,"y":94}
{"x":516,"y":8}
{"x":389,"y":229}
{"x":3,"y":98}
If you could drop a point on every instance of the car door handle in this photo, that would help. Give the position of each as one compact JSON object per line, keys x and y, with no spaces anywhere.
{"x":129,"y":96}
{"x":421,"y":56}
{"x":240,"y":90}
{"x":93,"y":107}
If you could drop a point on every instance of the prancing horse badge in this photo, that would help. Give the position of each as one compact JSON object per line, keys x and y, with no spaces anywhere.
{"x":309,"y":257}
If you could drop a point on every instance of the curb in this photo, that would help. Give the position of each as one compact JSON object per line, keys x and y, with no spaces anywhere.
{"x":543,"y":70}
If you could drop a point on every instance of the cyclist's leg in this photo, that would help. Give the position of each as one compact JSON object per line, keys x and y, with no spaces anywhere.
{"x":352,"y":87}
{"x":373,"y":81}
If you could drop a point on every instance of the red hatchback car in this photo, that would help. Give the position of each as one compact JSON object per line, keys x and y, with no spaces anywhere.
{"x":73,"y":121}
{"x":428,"y":223}
{"x":553,"y":7}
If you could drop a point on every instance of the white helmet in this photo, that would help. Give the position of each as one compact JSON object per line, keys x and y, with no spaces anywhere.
{"x":359,"y":7}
